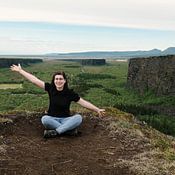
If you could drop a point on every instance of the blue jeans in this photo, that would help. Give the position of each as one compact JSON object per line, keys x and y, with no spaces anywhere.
{"x":61,"y":125}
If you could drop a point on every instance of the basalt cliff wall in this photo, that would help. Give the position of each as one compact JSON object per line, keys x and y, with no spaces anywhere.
{"x":153,"y":73}
{"x":7,"y":62}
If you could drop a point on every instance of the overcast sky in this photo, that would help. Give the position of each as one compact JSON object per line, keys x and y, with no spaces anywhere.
{"x":44,"y":26}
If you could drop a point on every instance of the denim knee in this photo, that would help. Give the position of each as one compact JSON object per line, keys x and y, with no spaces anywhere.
{"x":78,"y":118}
{"x":45,"y":119}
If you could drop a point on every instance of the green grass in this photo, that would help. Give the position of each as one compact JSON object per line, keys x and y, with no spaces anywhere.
{"x":162,"y":123}
{"x":104,"y":86}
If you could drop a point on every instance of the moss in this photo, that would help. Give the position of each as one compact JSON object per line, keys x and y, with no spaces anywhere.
{"x":5,"y":120}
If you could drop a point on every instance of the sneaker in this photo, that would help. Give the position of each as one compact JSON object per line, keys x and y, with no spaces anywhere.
{"x":73,"y":132}
{"x":50,"y":133}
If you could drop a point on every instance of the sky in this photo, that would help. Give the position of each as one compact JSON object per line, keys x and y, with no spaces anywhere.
{"x":61,"y":26}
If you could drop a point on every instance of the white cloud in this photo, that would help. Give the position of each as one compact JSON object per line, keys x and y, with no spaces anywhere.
{"x":27,"y":45}
{"x":36,"y":38}
{"x":158,"y":14}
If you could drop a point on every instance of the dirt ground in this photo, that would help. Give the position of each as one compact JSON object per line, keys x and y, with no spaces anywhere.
{"x":26,"y":152}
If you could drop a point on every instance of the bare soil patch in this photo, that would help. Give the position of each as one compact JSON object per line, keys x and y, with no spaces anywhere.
{"x":95,"y":152}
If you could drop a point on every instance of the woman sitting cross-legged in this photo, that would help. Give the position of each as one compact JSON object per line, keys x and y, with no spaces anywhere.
{"x":58,"y":119}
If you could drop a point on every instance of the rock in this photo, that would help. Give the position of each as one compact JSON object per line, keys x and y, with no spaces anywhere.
{"x":153,"y":73}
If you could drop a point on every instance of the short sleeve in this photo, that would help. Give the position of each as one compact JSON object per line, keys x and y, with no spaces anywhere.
{"x":47,"y":86}
{"x":74,"y":96}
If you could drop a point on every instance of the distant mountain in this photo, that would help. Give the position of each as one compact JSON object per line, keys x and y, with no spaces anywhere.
{"x":98,"y":54}
{"x":169,"y":51}
{"x":114,"y":54}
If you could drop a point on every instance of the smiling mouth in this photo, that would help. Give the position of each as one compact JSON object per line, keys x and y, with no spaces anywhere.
{"x":59,"y":84}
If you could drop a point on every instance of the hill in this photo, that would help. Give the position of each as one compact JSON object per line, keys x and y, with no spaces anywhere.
{"x":117,"y":144}
{"x":101,"y":54}
{"x":114,"y":54}
{"x":97,"y":54}
{"x":169,"y":51}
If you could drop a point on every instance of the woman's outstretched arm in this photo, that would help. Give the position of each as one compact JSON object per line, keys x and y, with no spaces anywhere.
{"x":28,"y":76}
{"x":88,"y":105}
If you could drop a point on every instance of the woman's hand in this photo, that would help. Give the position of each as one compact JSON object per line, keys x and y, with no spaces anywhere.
{"x":101,"y":112}
{"x":28,"y":76}
{"x":16,"y":68}
{"x":88,"y":105}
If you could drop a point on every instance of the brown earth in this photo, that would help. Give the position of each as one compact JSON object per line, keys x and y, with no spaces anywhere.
{"x":24,"y":151}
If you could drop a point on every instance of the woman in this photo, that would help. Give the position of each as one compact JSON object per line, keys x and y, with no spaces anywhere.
{"x":58,"y":119}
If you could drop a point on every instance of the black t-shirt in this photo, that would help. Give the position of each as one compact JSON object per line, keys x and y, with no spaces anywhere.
{"x":60,"y":101}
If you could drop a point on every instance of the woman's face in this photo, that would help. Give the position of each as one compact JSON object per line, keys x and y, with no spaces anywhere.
{"x":59,"y":82}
